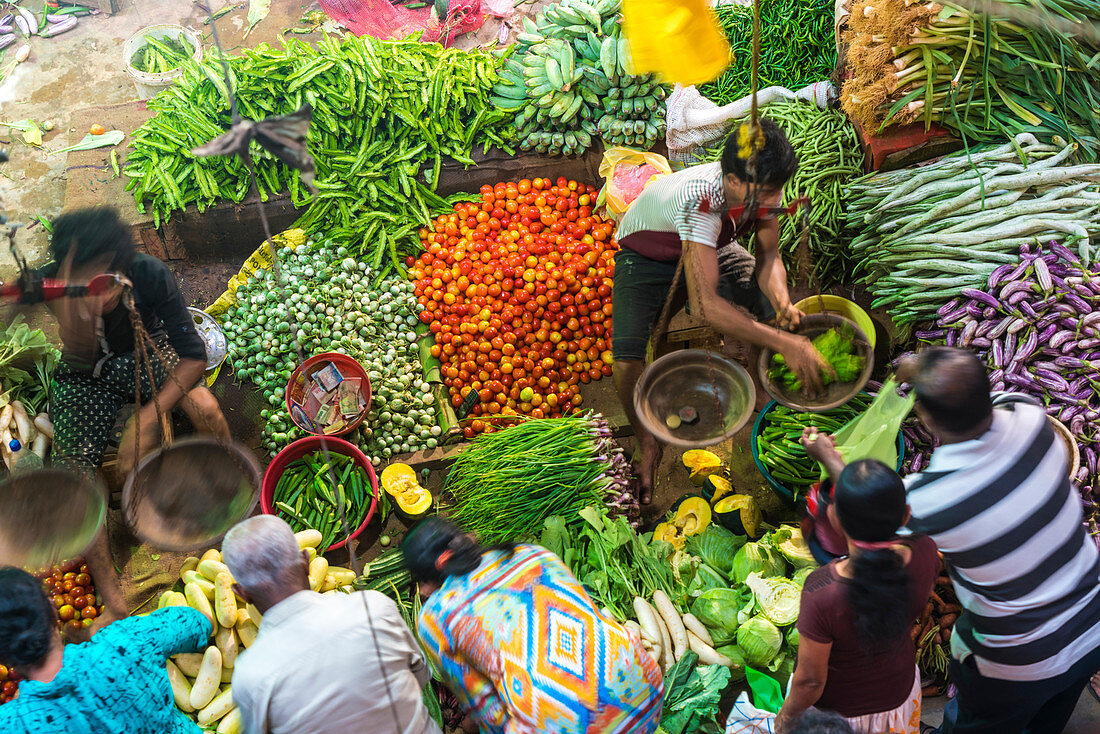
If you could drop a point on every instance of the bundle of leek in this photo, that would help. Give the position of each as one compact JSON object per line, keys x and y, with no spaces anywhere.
{"x":986,"y":77}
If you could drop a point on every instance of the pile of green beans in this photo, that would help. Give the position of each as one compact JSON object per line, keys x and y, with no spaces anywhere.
{"x":306,"y":499}
{"x":386,"y":114}
{"x":829,"y":158}
{"x":779,"y":447}
{"x":158,"y":55}
{"x":387,"y":574}
{"x":797,"y":47}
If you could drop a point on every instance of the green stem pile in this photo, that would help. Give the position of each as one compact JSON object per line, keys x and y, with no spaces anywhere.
{"x":923,"y":236}
{"x":797,"y":47}
{"x":508,"y":482}
{"x":386,"y":114}
{"x":985,"y":77}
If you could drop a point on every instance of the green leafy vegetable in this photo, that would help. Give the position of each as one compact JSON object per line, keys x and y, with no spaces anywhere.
{"x":705,"y":579}
{"x":718,"y":610}
{"x":791,"y":545}
{"x":27,"y":359}
{"x":760,"y":640}
{"x":792,"y":637}
{"x":838,"y":349}
{"x":801,"y":574}
{"x":90,"y":142}
{"x":759,"y":558}
{"x":692,"y":695}
{"x":717,"y":547}
{"x":734,"y":653}
{"x":775,"y":598}
{"x":614,"y":563}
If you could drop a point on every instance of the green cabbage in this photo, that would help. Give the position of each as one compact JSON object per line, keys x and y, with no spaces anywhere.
{"x":789,"y":542}
{"x":777,"y":599}
{"x":717,"y":610}
{"x":792,"y":637}
{"x":705,"y":579}
{"x":760,"y":640}
{"x":717,"y":547}
{"x":802,"y":574}
{"x":733,"y":652}
{"x":759,"y":558}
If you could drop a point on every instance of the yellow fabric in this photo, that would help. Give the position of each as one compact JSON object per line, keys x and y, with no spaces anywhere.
{"x":678,"y":40}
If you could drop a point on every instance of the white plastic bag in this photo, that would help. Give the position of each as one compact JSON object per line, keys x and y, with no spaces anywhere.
{"x":747,"y":719}
{"x":694,"y":122}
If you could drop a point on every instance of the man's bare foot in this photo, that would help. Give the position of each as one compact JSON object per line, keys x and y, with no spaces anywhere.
{"x":1094,"y":686}
{"x":647,"y":456}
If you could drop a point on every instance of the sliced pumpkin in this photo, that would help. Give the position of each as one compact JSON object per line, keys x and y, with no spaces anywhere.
{"x":739,"y":514}
{"x":414,"y":502}
{"x":702,"y":464}
{"x":692,"y":515}
{"x":398,"y":477}
{"x":716,"y":487}
{"x":670,"y":534}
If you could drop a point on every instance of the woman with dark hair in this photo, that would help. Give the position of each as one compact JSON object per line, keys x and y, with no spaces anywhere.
{"x":96,"y":374}
{"x":855,"y":656}
{"x":115,"y":684}
{"x":520,"y":643}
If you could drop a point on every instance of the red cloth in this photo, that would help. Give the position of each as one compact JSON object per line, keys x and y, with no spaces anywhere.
{"x":831,"y":539}
{"x":858,"y":683}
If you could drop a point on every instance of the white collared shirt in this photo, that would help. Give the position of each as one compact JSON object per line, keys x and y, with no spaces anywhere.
{"x":331,"y":665}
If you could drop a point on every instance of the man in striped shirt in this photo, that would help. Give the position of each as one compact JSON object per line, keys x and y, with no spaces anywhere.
{"x":696,"y":214}
{"x":997,"y":501}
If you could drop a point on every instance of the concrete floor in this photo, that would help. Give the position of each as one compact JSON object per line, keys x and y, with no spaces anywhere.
{"x":84,"y":68}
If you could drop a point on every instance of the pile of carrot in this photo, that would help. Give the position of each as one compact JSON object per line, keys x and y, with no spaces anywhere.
{"x":932,"y":632}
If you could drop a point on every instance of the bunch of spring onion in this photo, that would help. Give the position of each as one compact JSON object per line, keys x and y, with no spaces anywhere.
{"x":985,"y":77}
{"x":923,"y":234}
{"x":327,"y":305}
{"x":508,"y":482}
{"x":1036,"y":322}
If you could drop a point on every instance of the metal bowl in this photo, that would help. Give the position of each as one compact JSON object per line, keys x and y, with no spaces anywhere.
{"x":834,"y":395}
{"x":212,"y":336}
{"x":48,"y":515}
{"x":187,"y":495}
{"x":717,"y":389}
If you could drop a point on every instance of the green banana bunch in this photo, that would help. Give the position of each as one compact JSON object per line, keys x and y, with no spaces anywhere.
{"x":569,"y":82}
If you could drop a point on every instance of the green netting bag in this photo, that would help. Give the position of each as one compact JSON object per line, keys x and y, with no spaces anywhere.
{"x":873,"y":434}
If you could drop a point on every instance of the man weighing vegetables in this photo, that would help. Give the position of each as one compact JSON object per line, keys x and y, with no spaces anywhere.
{"x":696,"y":214}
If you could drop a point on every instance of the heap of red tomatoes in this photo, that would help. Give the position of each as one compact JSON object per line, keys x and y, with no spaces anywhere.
{"x":70,"y":587}
{"x":517,"y":291}
{"x":72,"y":591}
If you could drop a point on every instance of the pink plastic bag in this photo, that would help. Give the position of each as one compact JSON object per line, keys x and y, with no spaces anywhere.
{"x":630,"y":180}
{"x":381,"y":19}
{"x":627,"y":172}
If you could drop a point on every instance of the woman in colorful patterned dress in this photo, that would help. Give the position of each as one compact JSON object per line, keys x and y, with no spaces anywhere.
{"x":520,"y":643}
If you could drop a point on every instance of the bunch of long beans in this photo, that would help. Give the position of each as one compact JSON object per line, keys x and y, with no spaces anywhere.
{"x":829,"y":157}
{"x":921,"y":235}
{"x":797,"y":47}
{"x":985,"y":77}
{"x":508,"y":482}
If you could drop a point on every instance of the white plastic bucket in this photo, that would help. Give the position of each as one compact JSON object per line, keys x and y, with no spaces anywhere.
{"x":149,"y":84}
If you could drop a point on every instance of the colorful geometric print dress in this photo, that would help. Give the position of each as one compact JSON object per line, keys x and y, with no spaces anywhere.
{"x":525,"y":650}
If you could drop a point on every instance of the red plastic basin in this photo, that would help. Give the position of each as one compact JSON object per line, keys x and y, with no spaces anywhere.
{"x":308,"y":445}
{"x":348,"y":367}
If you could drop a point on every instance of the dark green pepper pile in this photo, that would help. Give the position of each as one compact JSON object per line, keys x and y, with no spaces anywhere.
{"x":305,"y":497}
{"x":778,"y":442}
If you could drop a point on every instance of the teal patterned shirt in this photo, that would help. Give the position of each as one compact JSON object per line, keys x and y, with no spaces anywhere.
{"x":114,"y":684}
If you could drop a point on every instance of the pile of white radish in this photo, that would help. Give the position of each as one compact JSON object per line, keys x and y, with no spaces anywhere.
{"x":33,"y":434}
{"x":201,"y":682}
{"x":667,"y":634}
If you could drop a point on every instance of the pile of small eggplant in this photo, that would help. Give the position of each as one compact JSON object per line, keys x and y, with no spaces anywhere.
{"x":22,"y":22}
